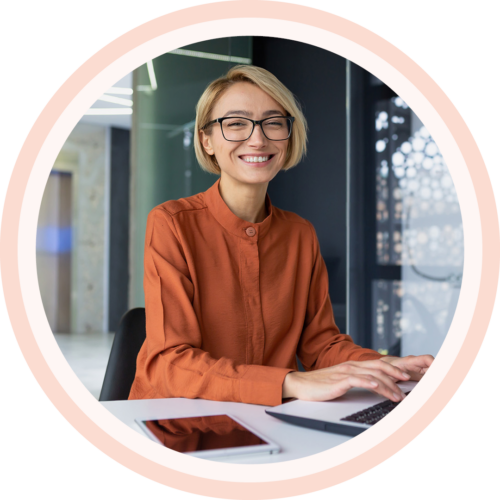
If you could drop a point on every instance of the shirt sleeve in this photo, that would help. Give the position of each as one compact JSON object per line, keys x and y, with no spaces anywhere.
{"x":171,"y":362}
{"x":321,"y":343}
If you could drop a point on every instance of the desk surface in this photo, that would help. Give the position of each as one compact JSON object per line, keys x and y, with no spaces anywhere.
{"x":295,"y":442}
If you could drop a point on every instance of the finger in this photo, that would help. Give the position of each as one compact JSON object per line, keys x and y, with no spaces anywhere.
{"x":378,"y":371}
{"x":378,"y":386}
{"x":424,"y":361}
{"x":389,"y":369}
{"x":388,"y":386}
{"x":418,"y":362}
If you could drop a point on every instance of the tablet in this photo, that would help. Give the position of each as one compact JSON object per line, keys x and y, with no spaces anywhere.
{"x":211,"y":436}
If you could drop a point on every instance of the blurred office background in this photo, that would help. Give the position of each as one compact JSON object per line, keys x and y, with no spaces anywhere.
{"x":374,"y":184}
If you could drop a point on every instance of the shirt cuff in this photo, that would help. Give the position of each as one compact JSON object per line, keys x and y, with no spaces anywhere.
{"x":263,"y":385}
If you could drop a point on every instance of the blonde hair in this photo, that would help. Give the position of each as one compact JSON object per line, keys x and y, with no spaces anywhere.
{"x":268,"y":83}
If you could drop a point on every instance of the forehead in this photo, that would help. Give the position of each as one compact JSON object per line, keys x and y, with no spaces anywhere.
{"x":248,"y":97}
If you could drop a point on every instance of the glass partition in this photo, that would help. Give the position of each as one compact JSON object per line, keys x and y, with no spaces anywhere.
{"x":164,"y":166}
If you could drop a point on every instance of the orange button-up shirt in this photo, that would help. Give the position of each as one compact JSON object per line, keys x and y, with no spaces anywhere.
{"x":229,"y":303}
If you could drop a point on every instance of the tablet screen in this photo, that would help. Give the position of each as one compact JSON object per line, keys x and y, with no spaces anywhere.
{"x":212,"y":432}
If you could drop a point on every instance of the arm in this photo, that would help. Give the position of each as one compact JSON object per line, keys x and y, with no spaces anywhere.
{"x":172,"y":363}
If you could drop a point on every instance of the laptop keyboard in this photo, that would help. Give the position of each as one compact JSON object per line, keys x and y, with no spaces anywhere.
{"x":373,"y":414}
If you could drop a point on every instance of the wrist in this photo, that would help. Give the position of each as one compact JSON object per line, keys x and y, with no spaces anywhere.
{"x":289,"y":385}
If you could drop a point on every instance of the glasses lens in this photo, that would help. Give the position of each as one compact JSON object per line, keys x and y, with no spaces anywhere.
{"x":236,"y":129}
{"x":240,"y":129}
{"x":277,"y":129}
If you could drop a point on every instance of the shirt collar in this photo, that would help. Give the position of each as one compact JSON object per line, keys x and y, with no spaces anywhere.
{"x":231,"y":222}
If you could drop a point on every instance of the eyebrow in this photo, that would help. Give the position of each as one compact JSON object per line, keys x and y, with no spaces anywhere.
{"x":240,"y":112}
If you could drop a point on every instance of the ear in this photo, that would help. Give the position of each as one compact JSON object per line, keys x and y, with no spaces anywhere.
{"x":206,"y":142}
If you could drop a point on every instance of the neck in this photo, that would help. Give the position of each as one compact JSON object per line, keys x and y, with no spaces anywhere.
{"x":246,"y":201}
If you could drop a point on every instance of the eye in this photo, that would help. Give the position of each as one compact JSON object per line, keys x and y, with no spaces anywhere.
{"x":275,"y":123}
{"x":235,"y":124}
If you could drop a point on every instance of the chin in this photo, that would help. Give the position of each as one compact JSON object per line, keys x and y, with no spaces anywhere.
{"x":251,"y":176}
{"x":258,"y":176}
{"x":256,"y":179}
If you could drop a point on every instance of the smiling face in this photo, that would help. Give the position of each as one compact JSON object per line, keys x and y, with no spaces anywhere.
{"x":256,"y":160}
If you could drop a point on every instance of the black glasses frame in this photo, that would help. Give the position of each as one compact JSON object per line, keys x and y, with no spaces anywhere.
{"x":290,"y":119}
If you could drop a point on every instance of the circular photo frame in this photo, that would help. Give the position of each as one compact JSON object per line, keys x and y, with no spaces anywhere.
{"x":255,"y":18}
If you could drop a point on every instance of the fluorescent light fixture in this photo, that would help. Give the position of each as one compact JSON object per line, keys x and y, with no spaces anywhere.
{"x":208,"y":55}
{"x":120,"y":91}
{"x":116,"y":100}
{"x":152,"y":76}
{"x":109,"y":111}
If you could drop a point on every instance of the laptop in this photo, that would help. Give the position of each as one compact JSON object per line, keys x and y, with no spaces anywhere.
{"x":350,"y":414}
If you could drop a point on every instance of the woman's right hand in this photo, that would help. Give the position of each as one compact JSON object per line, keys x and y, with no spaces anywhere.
{"x":330,"y":383}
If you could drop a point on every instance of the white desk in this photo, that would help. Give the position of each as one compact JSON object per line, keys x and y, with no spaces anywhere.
{"x":295,"y":442}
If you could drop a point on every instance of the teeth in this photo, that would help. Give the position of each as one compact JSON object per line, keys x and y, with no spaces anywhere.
{"x":256,"y":159}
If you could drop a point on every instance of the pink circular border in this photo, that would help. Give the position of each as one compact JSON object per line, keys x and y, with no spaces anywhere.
{"x":268,"y":10}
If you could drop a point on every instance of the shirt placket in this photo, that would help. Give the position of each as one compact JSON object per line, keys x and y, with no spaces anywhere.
{"x":250,"y":282}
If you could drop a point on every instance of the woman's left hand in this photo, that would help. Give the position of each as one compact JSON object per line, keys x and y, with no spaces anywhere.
{"x":415,"y":366}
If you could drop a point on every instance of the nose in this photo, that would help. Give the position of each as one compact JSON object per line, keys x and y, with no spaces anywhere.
{"x":257,"y":138}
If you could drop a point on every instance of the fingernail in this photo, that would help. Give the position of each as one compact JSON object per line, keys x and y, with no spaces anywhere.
{"x":397,"y":396}
{"x":406,"y":375}
{"x":374,"y":384}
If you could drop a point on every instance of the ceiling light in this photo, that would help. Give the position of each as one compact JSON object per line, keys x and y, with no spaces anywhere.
{"x":208,"y":55}
{"x":152,"y":76}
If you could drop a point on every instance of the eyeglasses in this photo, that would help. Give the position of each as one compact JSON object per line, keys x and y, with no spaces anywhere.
{"x":239,"y":129}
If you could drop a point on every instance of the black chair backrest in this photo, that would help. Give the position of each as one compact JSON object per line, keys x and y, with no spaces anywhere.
{"x":120,"y":372}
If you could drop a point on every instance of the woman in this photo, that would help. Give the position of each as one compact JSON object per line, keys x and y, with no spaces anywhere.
{"x":235,"y":287}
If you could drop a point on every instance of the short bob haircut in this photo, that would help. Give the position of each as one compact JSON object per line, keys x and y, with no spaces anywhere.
{"x":269,"y":84}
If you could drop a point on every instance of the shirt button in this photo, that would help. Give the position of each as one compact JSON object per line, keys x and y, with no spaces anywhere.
{"x":250,"y":231}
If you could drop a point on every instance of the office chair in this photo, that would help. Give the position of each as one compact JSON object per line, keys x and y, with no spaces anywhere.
{"x":120,"y":372}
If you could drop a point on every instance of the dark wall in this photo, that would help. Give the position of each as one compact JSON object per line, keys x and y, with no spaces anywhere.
{"x":119,"y":226}
{"x":316,"y":188}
